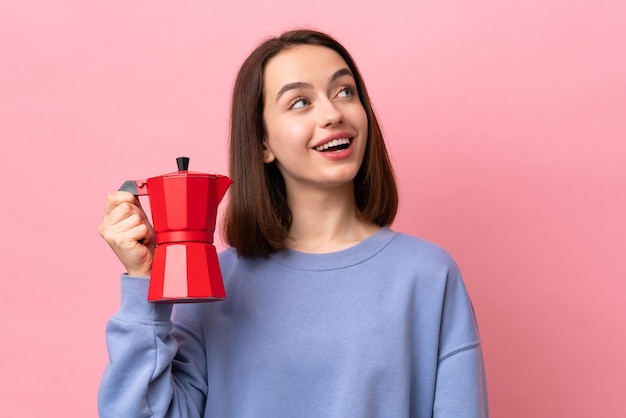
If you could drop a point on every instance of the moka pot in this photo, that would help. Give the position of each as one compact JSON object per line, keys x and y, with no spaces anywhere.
{"x":184,"y":205}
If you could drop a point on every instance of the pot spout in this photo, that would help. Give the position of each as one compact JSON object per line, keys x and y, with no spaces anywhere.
{"x":221,"y":185}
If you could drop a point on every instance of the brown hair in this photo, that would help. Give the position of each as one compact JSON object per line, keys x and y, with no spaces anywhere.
{"x":257,"y":218}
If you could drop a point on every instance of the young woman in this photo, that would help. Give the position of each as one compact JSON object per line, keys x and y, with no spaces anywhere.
{"x":329,"y":313}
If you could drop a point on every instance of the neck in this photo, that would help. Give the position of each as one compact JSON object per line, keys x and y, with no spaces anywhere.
{"x":327,"y":220}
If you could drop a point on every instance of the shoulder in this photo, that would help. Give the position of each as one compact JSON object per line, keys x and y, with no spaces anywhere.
{"x":229,"y":253}
{"x":442,"y":285}
{"x":429,"y":265}
{"x":231,"y":261}
{"x":227,"y":258}
{"x":420,"y":250}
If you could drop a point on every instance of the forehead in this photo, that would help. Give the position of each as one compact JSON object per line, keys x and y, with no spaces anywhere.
{"x":302,"y":63}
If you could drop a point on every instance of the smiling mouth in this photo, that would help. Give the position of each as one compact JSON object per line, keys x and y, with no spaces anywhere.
{"x":335,"y":145}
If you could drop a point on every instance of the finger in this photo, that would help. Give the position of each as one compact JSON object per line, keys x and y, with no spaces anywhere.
{"x":123,"y":211}
{"x":127,"y":233}
{"x":114,"y":199}
{"x":123,"y":218}
{"x":141,"y":233}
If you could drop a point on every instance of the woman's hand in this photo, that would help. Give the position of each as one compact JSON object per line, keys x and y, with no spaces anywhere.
{"x":125,"y":227}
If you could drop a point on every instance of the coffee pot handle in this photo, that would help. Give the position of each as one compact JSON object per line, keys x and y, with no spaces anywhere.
{"x":136,"y":187}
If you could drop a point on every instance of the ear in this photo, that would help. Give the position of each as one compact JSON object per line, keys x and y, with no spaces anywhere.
{"x":268,"y":155}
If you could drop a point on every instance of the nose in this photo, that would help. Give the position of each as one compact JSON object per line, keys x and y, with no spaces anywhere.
{"x":328,"y":113}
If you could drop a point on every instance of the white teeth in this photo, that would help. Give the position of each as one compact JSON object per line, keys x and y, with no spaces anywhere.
{"x":333,"y":143}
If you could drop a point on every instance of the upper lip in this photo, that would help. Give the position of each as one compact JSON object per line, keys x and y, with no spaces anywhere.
{"x":331,"y":137}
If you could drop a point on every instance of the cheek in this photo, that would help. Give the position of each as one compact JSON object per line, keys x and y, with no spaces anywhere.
{"x":357,"y":117}
{"x":363,"y":118}
{"x":288,"y":133}
{"x":362,"y":126}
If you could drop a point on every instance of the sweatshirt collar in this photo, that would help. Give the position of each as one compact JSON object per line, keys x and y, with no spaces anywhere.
{"x":356,"y":254}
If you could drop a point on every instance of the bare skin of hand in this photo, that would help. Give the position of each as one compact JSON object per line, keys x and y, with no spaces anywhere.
{"x":125,"y":227}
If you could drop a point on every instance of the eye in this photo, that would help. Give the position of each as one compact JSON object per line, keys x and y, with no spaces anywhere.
{"x":347,"y":91}
{"x":298,"y":103}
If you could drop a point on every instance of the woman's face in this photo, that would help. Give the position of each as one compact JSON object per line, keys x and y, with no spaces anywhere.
{"x":315,"y":124}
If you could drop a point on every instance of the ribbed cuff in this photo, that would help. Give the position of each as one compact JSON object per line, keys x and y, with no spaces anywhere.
{"x":134,"y":305}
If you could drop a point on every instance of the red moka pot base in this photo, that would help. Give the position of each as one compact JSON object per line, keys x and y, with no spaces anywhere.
{"x":186,"y":272}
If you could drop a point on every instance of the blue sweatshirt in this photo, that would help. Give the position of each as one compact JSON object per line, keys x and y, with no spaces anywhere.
{"x":381,"y":329}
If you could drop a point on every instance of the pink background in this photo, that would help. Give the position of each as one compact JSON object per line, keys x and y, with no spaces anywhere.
{"x":506,"y":122}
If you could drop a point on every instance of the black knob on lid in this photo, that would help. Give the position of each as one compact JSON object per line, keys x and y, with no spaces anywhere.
{"x":183,"y":163}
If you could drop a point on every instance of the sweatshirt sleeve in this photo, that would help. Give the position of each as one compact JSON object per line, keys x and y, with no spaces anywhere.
{"x":461,"y":389}
{"x":155,"y":369}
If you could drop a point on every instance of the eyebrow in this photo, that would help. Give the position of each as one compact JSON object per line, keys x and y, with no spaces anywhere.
{"x":302,"y":85}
